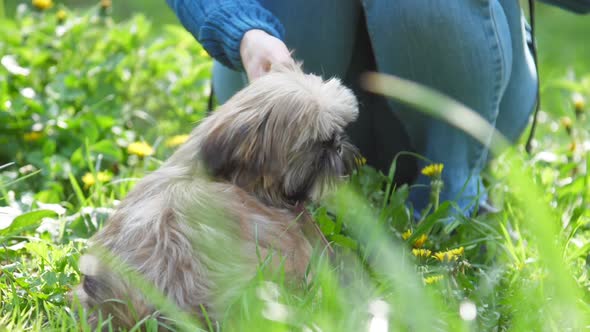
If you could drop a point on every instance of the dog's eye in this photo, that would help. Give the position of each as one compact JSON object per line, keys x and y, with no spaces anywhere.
{"x":334,"y":143}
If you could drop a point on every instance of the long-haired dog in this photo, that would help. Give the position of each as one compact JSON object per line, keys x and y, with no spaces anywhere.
{"x":197,"y":227}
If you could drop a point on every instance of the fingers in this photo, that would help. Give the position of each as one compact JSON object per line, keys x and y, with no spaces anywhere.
{"x":263,"y":65}
{"x":260,"y":51}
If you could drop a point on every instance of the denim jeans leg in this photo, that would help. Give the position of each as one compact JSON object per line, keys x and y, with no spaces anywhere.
{"x":226,"y":82}
{"x":520,"y":96}
{"x":461,"y":48}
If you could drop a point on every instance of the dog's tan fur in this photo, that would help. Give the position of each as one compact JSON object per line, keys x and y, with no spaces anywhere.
{"x":193,"y":227}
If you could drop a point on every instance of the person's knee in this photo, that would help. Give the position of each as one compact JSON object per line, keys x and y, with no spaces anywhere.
{"x":461,"y":48}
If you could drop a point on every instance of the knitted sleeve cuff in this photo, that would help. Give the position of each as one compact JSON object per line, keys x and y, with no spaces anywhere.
{"x":223,"y":29}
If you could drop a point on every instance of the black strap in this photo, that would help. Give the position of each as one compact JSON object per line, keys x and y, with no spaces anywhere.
{"x":528,"y":146}
{"x":211,"y":97}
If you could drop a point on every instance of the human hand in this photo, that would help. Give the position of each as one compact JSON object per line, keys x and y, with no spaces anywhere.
{"x":259,"y":51}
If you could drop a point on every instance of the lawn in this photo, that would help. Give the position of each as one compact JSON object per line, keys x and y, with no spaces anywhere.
{"x":90,"y":102}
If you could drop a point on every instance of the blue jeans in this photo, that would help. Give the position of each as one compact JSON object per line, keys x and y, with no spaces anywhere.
{"x":472,"y":50}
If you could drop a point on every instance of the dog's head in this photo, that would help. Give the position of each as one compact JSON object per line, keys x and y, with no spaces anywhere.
{"x":282,"y":137}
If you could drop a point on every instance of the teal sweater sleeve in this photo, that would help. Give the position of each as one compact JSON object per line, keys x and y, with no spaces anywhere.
{"x":219,"y":25}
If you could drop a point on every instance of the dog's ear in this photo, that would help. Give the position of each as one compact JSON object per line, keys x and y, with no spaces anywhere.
{"x":219,"y":150}
{"x":240,"y":148}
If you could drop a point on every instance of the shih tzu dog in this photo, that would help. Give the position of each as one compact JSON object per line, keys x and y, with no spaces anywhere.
{"x":197,"y":227}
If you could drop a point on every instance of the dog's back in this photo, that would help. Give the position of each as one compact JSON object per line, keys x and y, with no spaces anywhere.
{"x":195,"y":251}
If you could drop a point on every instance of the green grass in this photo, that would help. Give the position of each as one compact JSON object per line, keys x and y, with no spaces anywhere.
{"x":99,"y":86}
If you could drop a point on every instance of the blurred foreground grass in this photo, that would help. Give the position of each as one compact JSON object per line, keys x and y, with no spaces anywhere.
{"x":88,"y":105}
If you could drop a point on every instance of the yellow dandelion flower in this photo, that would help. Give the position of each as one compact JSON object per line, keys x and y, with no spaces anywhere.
{"x":106,"y":3}
{"x":176,"y":140}
{"x":579,"y":102}
{"x":421,"y":252}
{"x":32,"y":136}
{"x":61,"y":15}
{"x":420,"y":241}
{"x":433,"y":170}
{"x":566,"y":122}
{"x":104,"y":176}
{"x":449,"y":255}
{"x":360,"y":161}
{"x":442,"y":256}
{"x":457,"y":251}
{"x":433,"y":279}
{"x":572,"y":147}
{"x":141,"y":149}
{"x":89,"y":179}
{"x":43,"y":4}
{"x":406,"y":235}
